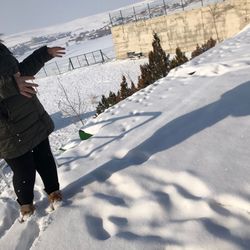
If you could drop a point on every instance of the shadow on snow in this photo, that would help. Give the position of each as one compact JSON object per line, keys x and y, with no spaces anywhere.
{"x":235,"y":102}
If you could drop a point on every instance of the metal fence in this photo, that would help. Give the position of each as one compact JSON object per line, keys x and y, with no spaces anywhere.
{"x":154,"y":9}
{"x":75,"y":62}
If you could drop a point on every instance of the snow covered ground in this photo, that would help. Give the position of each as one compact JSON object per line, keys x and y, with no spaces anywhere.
{"x":90,"y":83}
{"x":168,"y":168}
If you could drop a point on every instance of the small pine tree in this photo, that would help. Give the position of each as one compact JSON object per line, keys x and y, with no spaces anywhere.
{"x":209,"y":44}
{"x":157,"y":67}
{"x":102,"y":105}
{"x":125,"y":91}
{"x":106,"y":103}
{"x":179,"y":59}
{"x":145,"y":78}
{"x":158,"y":60}
{"x":112,"y":99}
{"x":118,"y":95}
{"x":133,"y":88}
{"x":197,"y":51}
{"x":204,"y":47}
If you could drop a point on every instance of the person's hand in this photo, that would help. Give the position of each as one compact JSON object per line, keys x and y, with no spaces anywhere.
{"x":56,"y":51}
{"x":26,"y":88}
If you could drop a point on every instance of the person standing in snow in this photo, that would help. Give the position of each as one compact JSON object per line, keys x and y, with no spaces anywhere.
{"x":25,"y":126}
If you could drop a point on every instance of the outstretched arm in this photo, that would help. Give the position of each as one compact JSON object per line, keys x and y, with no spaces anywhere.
{"x":33,"y":63}
{"x":19,"y":83}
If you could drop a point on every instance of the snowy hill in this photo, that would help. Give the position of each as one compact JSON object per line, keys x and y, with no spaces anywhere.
{"x":168,"y":168}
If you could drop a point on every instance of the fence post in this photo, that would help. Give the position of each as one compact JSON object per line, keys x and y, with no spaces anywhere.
{"x":71,"y":64}
{"x":110,"y":19}
{"x":165,"y":7}
{"x":105,"y":56}
{"x":149,"y":12}
{"x":121,"y":17}
{"x":182,"y":5}
{"x":103,"y":60}
{"x":86,"y":59}
{"x":135,"y":14}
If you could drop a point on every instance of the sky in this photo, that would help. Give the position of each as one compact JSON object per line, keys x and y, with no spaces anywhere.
{"x":17,"y":16}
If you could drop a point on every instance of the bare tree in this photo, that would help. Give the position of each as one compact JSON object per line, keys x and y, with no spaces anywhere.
{"x":93,"y":99}
{"x":213,"y":9}
{"x":71,"y":107}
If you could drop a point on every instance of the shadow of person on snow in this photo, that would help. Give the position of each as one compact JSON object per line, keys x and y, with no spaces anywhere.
{"x":235,"y":102}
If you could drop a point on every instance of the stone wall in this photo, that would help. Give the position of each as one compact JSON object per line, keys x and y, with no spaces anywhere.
{"x":184,"y":30}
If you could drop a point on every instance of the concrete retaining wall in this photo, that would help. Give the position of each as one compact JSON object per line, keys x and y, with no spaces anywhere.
{"x":184,"y":30}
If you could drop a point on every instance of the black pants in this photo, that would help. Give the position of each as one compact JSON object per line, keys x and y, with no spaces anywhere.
{"x":39,"y":159}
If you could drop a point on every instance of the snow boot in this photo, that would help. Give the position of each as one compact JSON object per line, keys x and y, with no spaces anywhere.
{"x":55,"y":199}
{"x":26,"y":211}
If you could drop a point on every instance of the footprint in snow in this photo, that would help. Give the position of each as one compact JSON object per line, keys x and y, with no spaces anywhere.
{"x":139,"y":100}
{"x":95,"y":227}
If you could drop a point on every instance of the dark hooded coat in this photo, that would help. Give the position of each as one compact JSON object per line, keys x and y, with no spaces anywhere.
{"x":23,"y":121}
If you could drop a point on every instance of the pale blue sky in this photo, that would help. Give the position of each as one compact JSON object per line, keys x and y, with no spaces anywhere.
{"x":21,"y":15}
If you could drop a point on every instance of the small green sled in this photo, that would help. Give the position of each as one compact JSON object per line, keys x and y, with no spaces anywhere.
{"x":83,"y":135}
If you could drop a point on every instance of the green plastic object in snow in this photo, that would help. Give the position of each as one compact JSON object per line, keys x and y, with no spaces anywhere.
{"x":83,"y":135}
